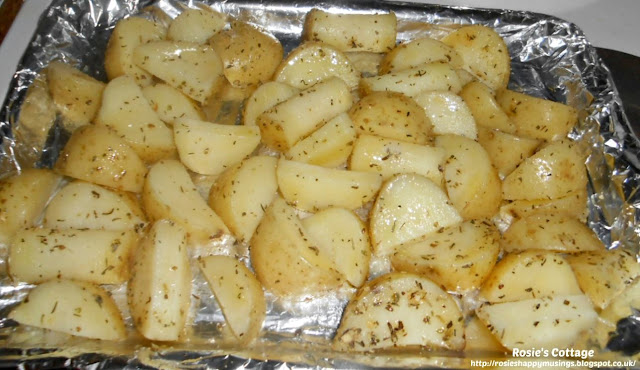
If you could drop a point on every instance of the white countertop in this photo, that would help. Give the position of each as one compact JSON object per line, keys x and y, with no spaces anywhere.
{"x":609,"y":24}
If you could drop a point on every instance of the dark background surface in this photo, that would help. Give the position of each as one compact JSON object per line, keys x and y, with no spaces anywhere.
{"x":625,"y":69}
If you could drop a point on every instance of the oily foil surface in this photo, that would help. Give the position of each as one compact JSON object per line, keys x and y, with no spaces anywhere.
{"x":551,"y":58}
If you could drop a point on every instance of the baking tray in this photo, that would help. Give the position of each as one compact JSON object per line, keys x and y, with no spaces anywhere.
{"x":551,"y":58}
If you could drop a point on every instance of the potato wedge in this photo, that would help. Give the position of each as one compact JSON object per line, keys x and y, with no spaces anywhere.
{"x":448,"y":113}
{"x":127,"y":35}
{"x":96,"y":154}
{"x":194,"y":69}
{"x":249,"y":56}
{"x":286,"y":123}
{"x":604,"y":274}
{"x":170,"y":194}
{"x":554,"y":322}
{"x":505,"y":150}
{"x":471,"y":181}
{"x":342,"y":236}
{"x":285,"y":260}
{"x":400,"y":310}
{"x":535,"y":117}
{"x":417,"y":52}
{"x":238,"y":293}
{"x":170,"y":104}
{"x":458,"y":257}
{"x":351,"y":32}
{"x":309,"y":187}
{"x":96,"y":256}
{"x":573,"y":204}
{"x":196,"y":25}
{"x":553,"y":172}
{"x":264,"y":98}
{"x":554,"y":232}
{"x":126,"y":111}
{"x":82,"y":205}
{"x":159,"y":291}
{"x":210,"y":148}
{"x":539,"y":274}
{"x":23,"y":198}
{"x":391,"y":115}
{"x":411,"y":82}
{"x":408,"y":206}
{"x":328,"y":146}
{"x":313,"y":62}
{"x":485,"y":109}
{"x":77,"y":96}
{"x":392,"y":157}
{"x":484,"y":53}
{"x":72,"y":307}
{"x":238,"y":199}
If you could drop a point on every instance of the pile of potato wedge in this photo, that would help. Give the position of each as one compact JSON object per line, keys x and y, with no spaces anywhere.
{"x":349,"y":151}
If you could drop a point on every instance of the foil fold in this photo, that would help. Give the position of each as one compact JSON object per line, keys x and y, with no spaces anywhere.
{"x":551,"y":58}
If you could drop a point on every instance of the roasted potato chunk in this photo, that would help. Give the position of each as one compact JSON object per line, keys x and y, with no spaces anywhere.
{"x":409,"y":206}
{"x":483,"y":52}
{"x":400,"y":310}
{"x":249,"y":56}
{"x":458,"y":257}
{"x":96,"y":154}
{"x":238,"y":293}
{"x":391,"y":115}
{"x":128,"y":34}
{"x":285,"y":260}
{"x":22,"y":200}
{"x":351,"y":32}
{"x":72,"y":307}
